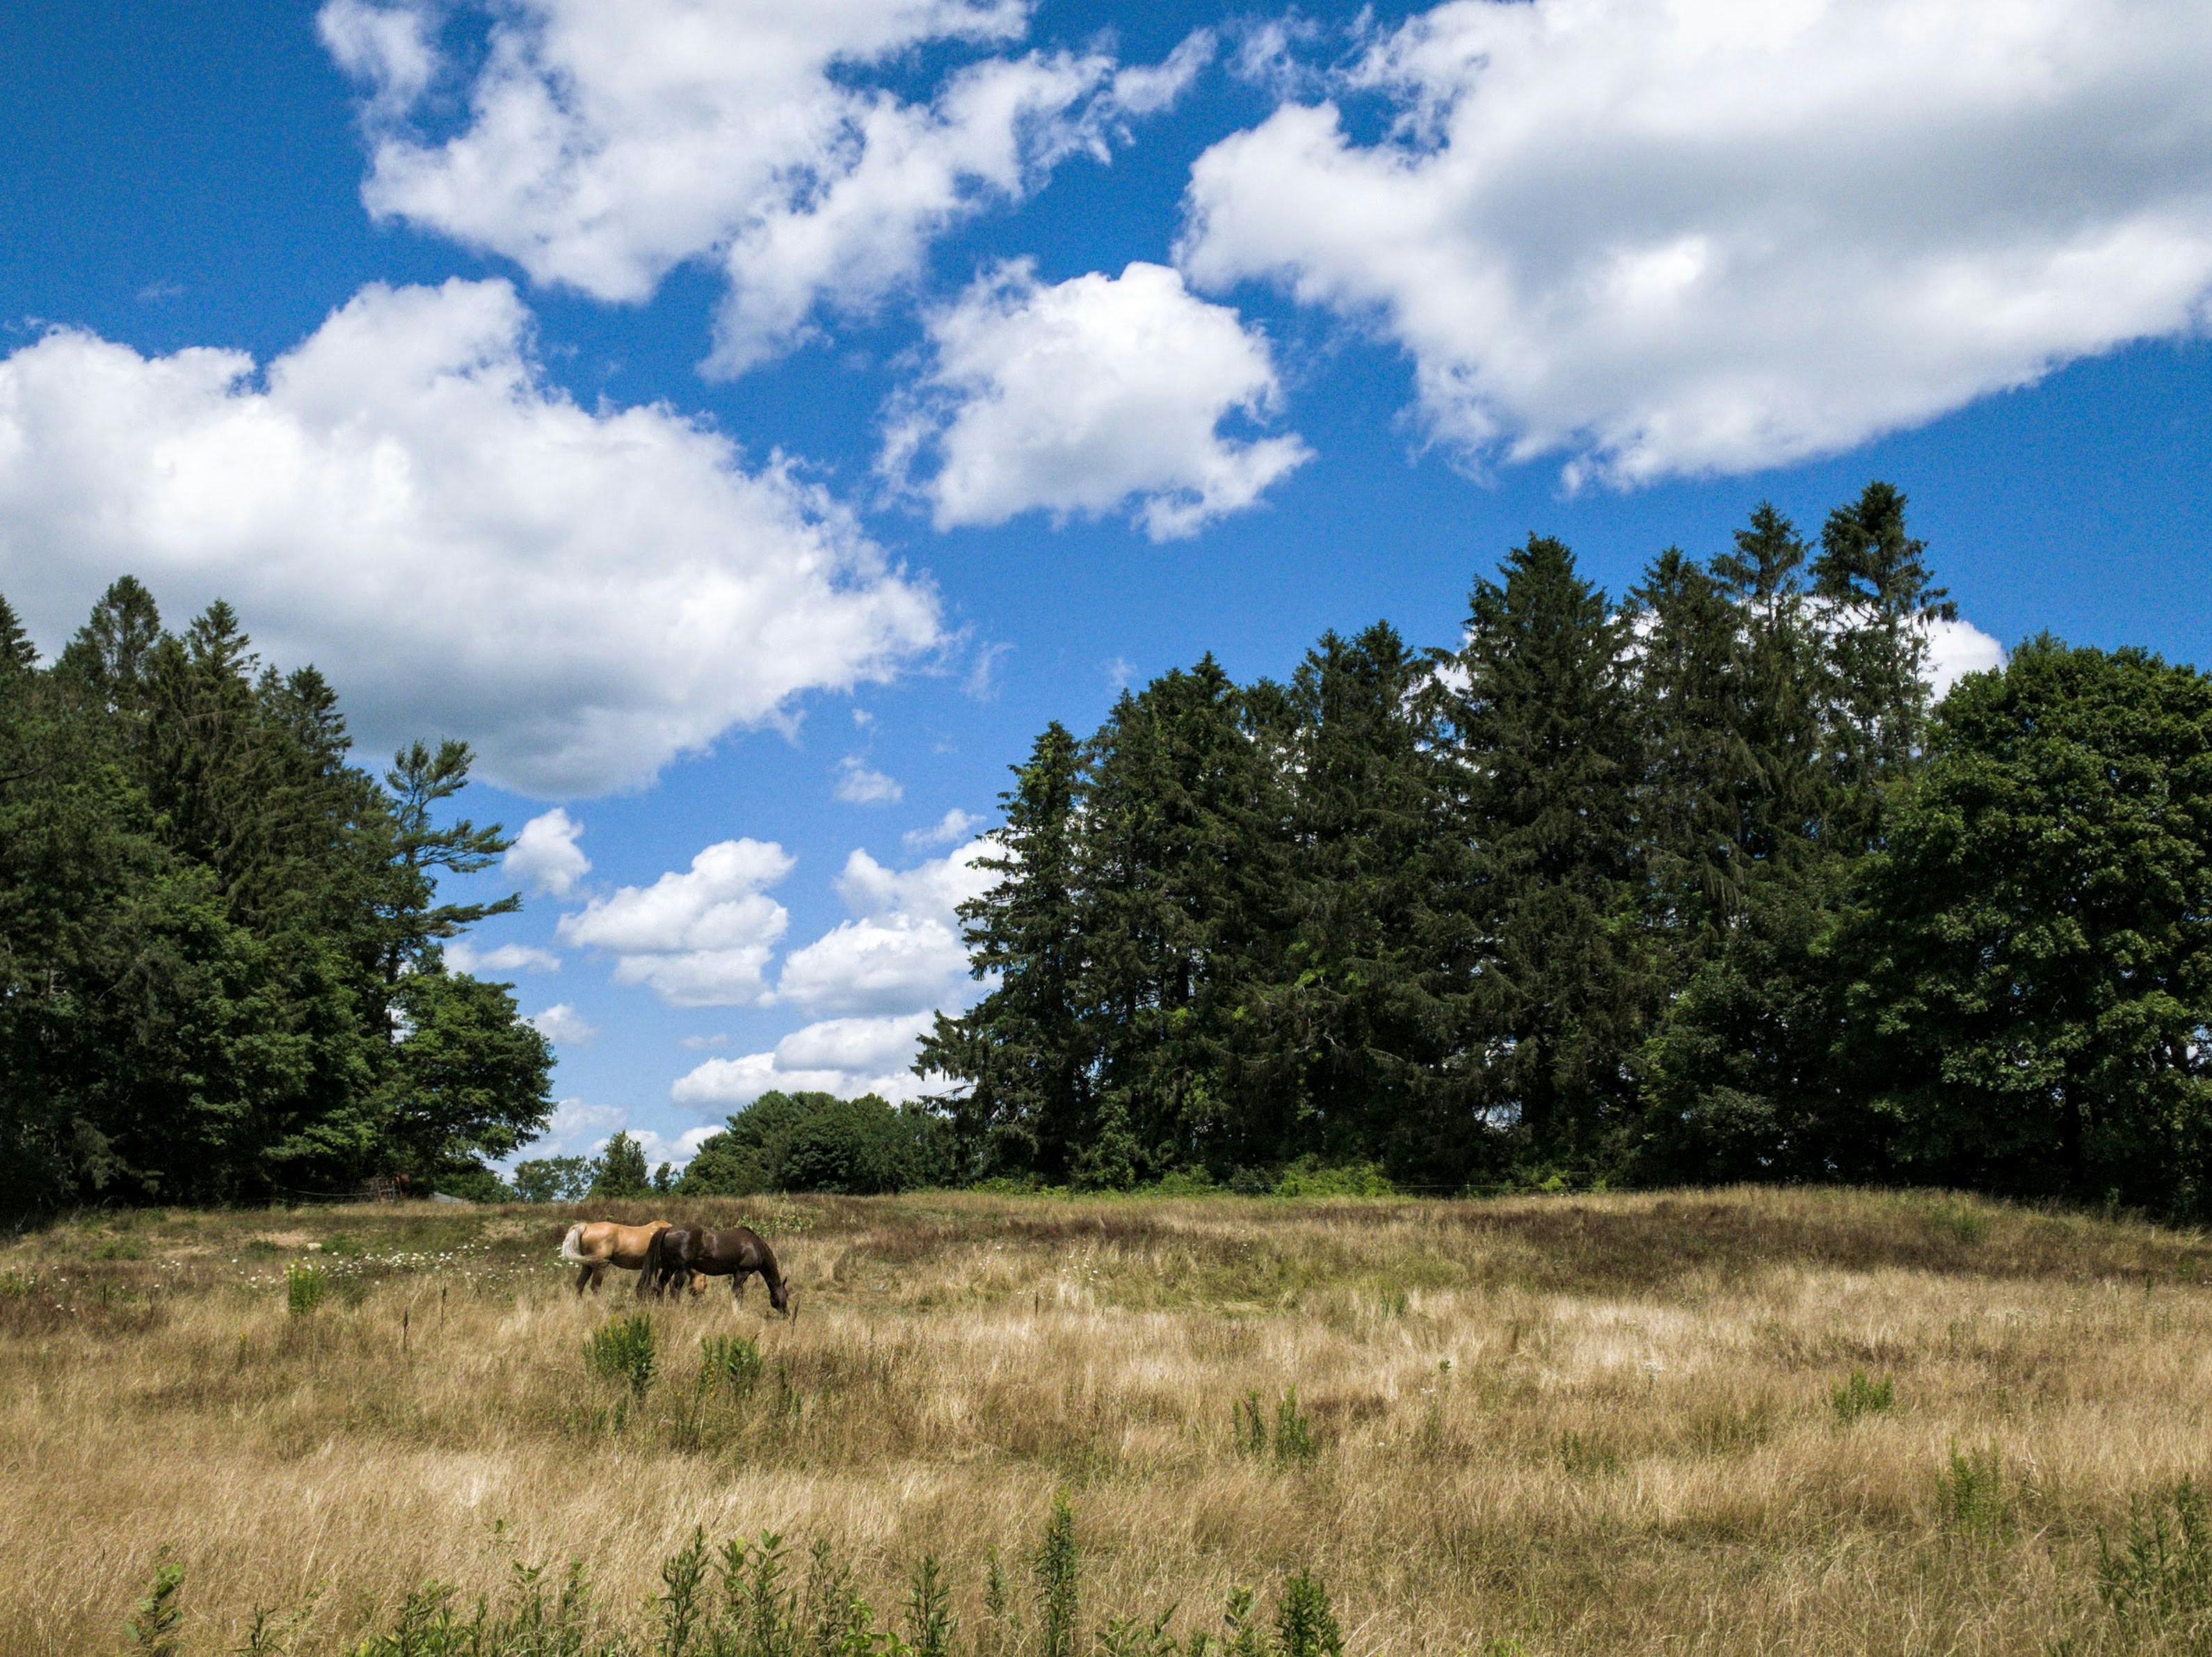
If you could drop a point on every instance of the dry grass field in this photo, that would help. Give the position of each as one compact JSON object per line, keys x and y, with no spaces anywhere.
{"x":1619,"y":1423}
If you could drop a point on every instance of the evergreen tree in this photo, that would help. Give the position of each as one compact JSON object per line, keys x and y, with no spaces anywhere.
{"x":1023,"y":1050}
{"x":1346,"y":1046}
{"x":1547,"y":732}
{"x":1180,"y":865}
{"x":619,"y":1170}
{"x":1879,"y":602}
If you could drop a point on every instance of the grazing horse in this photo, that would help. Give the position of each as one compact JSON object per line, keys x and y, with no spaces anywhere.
{"x":595,"y":1245}
{"x":684,"y":1255}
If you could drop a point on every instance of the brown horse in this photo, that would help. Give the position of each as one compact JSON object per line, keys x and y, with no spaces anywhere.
{"x":595,"y":1245}
{"x":684,"y":1255}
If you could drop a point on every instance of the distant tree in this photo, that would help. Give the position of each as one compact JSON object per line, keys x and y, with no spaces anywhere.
{"x":619,"y":1170}
{"x":553,"y":1180}
{"x":818,"y":1142}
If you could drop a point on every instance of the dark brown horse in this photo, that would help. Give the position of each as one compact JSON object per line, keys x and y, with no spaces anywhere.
{"x":682,"y":1252}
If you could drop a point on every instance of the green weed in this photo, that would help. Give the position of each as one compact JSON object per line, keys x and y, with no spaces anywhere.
{"x":1860,"y":1396}
{"x":623,"y":1350}
{"x":305,"y":1286}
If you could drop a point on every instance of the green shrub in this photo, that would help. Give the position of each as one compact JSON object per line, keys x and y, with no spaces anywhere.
{"x":733,"y":1360}
{"x":1057,"y":1594}
{"x":153,"y":1631}
{"x":1307,"y":1177}
{"x":1294,"y":1438}
{"x":1305,"y":1624}
{"x":1860,"y":1396}
{"x":623,"y":1350}
{"x":1972,"y":1494}
{"x":305,"y":1287}
{"x":2164,"y":1567}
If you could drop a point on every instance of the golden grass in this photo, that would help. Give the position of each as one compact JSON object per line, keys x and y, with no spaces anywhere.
{"x":1589,"y":1424}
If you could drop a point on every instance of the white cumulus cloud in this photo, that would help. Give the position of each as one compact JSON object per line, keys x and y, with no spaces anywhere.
{"x":902,"y":949}
{"x":604,"y":142}
{"x":563,"y":1026}
{"x":844,"y":1056}
{"x":955,"y":826}
{"x":1956,"y":649}
{"x":545,"y":856}
{"x":463,"y":956}
{"x":699,"y":939}
{"x":402,"y":498}
{"x":1685,"y":236}
{"x":1086,"y":396}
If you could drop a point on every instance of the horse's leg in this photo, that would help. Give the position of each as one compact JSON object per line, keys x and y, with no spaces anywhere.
{"x":583,"y":1276}
{"x":737,"y":1289}
{"x":598,"y":1272}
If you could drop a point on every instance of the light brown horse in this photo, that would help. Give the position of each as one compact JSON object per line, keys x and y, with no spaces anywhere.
{"x":595,"y":1245}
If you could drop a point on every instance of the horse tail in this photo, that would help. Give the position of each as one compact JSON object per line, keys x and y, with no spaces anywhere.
{"x":569,"y":1249}
{"x":648,"y":1277}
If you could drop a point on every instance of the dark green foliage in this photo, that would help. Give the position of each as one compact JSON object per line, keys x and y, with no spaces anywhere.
{"x":154,"y":1629}
{"x":619,"y":1170}
{"x":1058,"y":1589}
{"x":220,"y":968}
{"x":2033,"y":963}
{"x":2163,"y":1566}
{"x":553,"y":1180}
{"x":818,"y":1141}
{"x":1690,"y":887}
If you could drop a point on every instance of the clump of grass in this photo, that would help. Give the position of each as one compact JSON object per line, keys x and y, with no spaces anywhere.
{"x":2163,"y":1568}
{"x":1861,"y":1396}
{"x":1972,"y":1493}
{"x":623,"y":1350}
{"x":305,"y":1286}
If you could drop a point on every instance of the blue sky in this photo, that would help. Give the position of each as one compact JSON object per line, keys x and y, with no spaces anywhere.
{"x":750,"y":424}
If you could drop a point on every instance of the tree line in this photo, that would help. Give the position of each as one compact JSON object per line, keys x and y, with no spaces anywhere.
{"x":221,"y":977}
{"x":1693,"y":886}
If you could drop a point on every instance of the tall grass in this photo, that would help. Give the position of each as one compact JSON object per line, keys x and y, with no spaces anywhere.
{"x":1559,"y":1426}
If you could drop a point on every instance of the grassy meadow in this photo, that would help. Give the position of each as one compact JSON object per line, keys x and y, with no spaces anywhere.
{"x":1740,"y":1421}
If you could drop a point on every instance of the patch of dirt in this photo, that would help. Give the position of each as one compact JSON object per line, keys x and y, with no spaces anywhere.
{"x":282,"y":1239}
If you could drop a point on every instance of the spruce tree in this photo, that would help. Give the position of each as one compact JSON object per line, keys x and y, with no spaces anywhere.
{"x":1547,"y":730}
{"x":1345,"y":1049}
{"x":1023,"y":1049}
{"x":1879,"y":602}
{"x":1180,"y":862}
